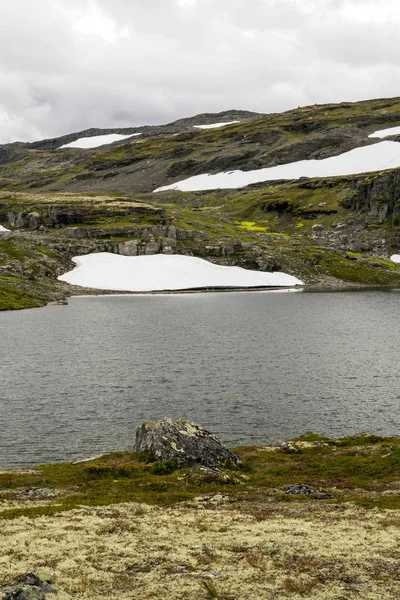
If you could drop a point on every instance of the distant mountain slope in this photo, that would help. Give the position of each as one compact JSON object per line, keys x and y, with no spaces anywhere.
{"x":165,"y":154}
{"x":327,"y":231}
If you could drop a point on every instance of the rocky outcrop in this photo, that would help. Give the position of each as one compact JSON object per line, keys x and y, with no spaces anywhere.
{"x":183,"y":442}
{"x":64,"y":216}
{"x":28,"y":587}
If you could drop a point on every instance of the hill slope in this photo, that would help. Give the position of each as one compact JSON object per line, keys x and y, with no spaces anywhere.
{"x":327,"y":231}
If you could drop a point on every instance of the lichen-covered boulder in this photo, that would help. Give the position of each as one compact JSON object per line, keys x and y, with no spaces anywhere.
{"x":183,"y":442}
{"x":28,"y":587}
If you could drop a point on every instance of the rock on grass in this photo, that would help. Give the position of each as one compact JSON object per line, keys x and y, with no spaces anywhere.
{"x":183,"y":442}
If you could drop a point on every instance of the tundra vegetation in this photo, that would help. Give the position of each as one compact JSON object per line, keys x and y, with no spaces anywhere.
{"x":124,"y":524}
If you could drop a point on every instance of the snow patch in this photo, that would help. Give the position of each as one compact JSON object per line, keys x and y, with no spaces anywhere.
{"x":97,"y":140}
{"x":159,"y":272}
{"x":214,"y":125}
{"x":395,"y":258}
{"x":377,"y":157}
{"x":3,"y":228}
{"x":382,"y":133}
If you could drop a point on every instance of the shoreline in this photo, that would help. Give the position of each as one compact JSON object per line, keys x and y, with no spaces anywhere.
{"x":314,"y":289}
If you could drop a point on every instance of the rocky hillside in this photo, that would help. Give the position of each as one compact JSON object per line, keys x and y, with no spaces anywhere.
{"x":335,"y":231}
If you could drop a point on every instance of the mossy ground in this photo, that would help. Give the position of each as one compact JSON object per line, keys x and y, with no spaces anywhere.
{"x":361,"y":470}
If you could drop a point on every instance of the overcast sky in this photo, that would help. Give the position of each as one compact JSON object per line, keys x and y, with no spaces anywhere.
{"x":66,"y":65}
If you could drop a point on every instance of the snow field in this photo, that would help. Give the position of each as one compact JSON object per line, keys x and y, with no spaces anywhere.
{"x":376,"y":157}
{"x":159,"y":272}
{"x":215,"y":125}
{"x":382,"y":133}
{"x":97,"y":140}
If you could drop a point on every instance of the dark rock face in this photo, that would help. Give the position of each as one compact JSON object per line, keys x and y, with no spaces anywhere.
{"x":183,"y":442}
{"x":28,"y":587}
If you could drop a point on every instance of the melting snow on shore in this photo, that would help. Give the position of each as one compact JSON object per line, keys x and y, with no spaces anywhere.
{"x":377,"y":157}
{"x":98,"y":140}
{"x":214,"y":125}
{"x":395,"y":258}
{"x":159,"y":272}
{"x":382,"y":133}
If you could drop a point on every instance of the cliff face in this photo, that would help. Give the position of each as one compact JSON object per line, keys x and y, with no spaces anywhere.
{"x":327,"y":231}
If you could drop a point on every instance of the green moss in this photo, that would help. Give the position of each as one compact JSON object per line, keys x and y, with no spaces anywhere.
{"x":251,"y":226}
{"x":14,"y":295}
{"x":44,"y":250}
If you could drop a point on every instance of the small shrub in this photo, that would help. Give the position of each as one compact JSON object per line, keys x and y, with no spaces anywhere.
{"x":210,"y":588}
{"x":164,"y":468}
{"x":145,"y":456}
{"x":299,"y":586}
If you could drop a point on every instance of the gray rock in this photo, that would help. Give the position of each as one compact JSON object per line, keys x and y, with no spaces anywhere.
{"x":318,"y":227}
{"x":33,"y":220}
{"x":36,"y":493}
{"x":300,"y":489}
{"x":20,"y":220}
{"x":184,"y":442}
{"x":128,"y":248}
{"x":171,"y":233}
{"x":152,"y":248}
{"x":75,"y":232}
{"x":5,"y":235}
{"x":28,"y":587}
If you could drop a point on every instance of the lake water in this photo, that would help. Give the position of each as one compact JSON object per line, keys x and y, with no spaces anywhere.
{"x":252,"y":367}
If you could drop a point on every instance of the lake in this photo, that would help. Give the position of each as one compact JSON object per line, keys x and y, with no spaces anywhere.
{"x":253,"y":367}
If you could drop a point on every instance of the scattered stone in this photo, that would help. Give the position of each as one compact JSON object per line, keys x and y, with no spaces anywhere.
{"x":288,"y":448}
{"x":300,"y":489}
{"x":318,"y":227}
{"x":184,"y":442}
{"x":36,"y":493}
{"x":27,"y":587}
{"x":215,"y":499}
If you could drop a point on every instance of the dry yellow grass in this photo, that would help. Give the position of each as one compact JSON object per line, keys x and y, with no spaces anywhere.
{"x":133,"y":551}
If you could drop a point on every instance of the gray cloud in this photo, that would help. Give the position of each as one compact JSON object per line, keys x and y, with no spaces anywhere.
{"x":67,"y":65}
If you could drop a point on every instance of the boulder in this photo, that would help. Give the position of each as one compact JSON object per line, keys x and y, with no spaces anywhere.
{"x":128,"y":248}
{"x":184,"y":442}
{"x":33,"y":220}
{"x":77,"y":233}
{"x":27,"y":587}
